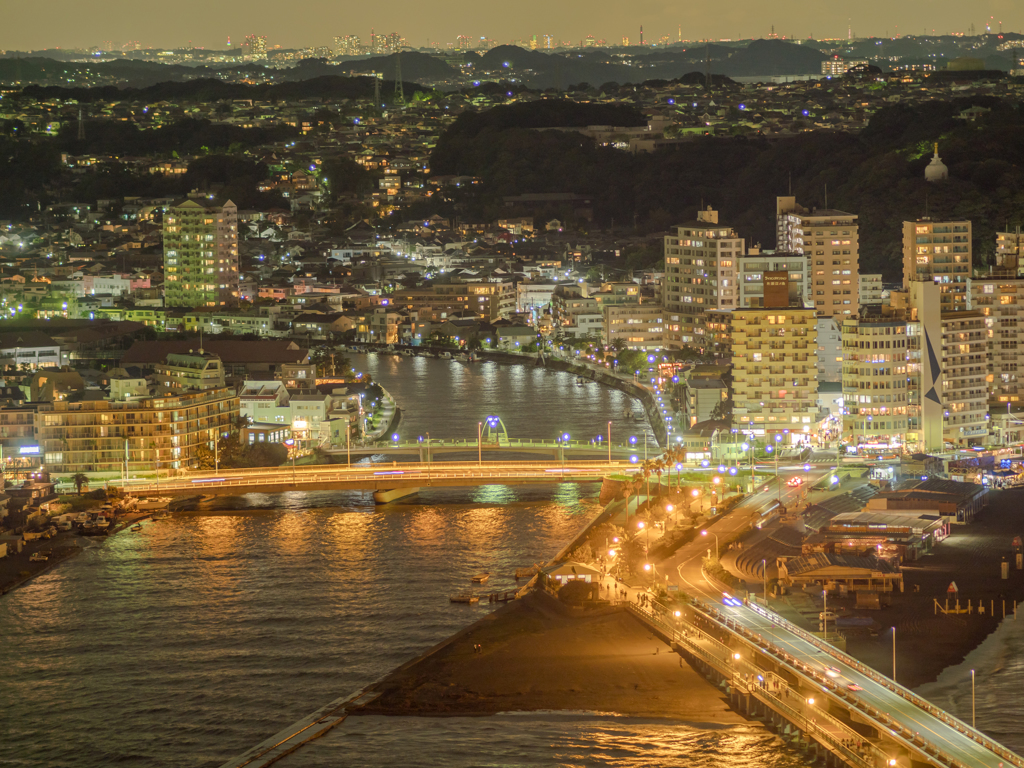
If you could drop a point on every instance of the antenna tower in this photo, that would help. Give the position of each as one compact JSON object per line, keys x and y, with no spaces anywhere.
{"x":399,"y":91}
{"x":707,"y":65}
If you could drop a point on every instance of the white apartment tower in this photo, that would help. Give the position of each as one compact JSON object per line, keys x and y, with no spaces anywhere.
{"x":939,"y":252}
{"x":701,"y":268}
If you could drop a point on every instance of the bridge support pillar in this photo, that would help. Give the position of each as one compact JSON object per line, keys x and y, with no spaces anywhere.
{"x":426,"y":455}
{"x":394,"y":494}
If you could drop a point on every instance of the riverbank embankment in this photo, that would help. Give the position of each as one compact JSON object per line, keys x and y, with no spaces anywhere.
{"x":531,"y":656}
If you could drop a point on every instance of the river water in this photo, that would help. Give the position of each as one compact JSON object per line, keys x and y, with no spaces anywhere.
{"x":198,"y":637}
{"x":449,"y":399}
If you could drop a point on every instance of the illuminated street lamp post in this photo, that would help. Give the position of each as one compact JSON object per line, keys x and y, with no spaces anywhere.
{"x":778,"y":481}
{"x":894,"y":654}
{"x":479,"y":443}
{"x":972,"y":700}
{"x":291,"y":449}
{"x":609,"y":442}
{"x":705,"y":533}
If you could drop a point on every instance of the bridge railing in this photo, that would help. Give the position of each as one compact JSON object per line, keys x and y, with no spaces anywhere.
{"x":726,"y":664}
{"x":492,"y":445}
{"x":486,"y":475}
{"x":305,"y":469}
{"x":831,"y":740}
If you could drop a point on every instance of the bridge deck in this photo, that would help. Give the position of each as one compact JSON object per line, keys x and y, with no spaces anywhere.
{"x":378,"y":477}
{"x":906,"y":722}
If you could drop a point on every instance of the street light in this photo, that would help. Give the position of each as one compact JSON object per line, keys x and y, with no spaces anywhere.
{"x":705,"y":533}
{"x":609,"y":442}
{"x":479,"y":443}
{"x":972,"y":700}
{"x":291,"y":449}
{"x":894,"y":654}
{"x":778,"y":482}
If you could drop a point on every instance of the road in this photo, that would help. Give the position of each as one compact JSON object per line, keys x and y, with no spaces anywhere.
{"x":905,"y":715}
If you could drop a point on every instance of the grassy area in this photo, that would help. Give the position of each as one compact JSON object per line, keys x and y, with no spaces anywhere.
{"x":76,"y":503}
{"x":715,"y":570}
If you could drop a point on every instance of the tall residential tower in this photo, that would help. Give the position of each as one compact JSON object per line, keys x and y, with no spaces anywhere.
{"x":201,"y":253}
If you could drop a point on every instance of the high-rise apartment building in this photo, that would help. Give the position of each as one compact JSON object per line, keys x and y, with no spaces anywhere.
{"x":964,"y":370}
{"x":700,"y":275}
{"x":201,"y":253}
{"x":1000,"y":299}
{"x":939,"y":252}
{"x":831,"y":241}
{"x":774,"y":359}
{"x":876,"y":397}
{"x":348,"y":45}
{"x":254,"y":48}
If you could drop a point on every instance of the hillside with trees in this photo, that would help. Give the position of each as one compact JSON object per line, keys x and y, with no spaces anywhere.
{"x":878,"y":174}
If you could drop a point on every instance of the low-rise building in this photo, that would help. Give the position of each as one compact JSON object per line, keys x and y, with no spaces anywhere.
{"x":145,"y":434}
{"x":634,"y":326}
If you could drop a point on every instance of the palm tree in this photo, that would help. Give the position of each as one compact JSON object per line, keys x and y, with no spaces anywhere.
{"x":645,"y":470}
{"x":659,"y":467}
{"x":79,"y":480}
{"x":627,"y":491}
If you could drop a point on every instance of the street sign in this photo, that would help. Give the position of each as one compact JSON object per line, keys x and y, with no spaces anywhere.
{"x":673,"y":587}
{"x":952,"y":588}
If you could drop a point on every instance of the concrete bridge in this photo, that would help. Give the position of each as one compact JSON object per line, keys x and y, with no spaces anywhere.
{"x":426,"y":450}
{"x":387,"y":481}
{"x":837,"y":708}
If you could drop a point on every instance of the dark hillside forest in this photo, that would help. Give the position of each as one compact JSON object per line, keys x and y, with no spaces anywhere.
{"x":878,"y":174}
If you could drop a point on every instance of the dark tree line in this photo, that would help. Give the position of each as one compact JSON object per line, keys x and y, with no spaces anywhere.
{"x":878,"y":174}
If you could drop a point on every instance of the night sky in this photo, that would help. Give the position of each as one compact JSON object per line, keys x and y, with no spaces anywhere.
{"x":72,"y":23}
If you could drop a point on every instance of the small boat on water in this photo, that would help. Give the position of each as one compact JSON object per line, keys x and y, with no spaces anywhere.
{"x":136,"y":527}
{"x":481,"y":578}
{"x":445,"y":355}
{"x":465,"y":598}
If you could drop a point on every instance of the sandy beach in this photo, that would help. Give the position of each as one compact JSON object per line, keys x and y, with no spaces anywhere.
{"x":532,"y":657}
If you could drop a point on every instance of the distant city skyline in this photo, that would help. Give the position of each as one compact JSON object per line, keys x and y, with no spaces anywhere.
{"x":316,"y":23}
